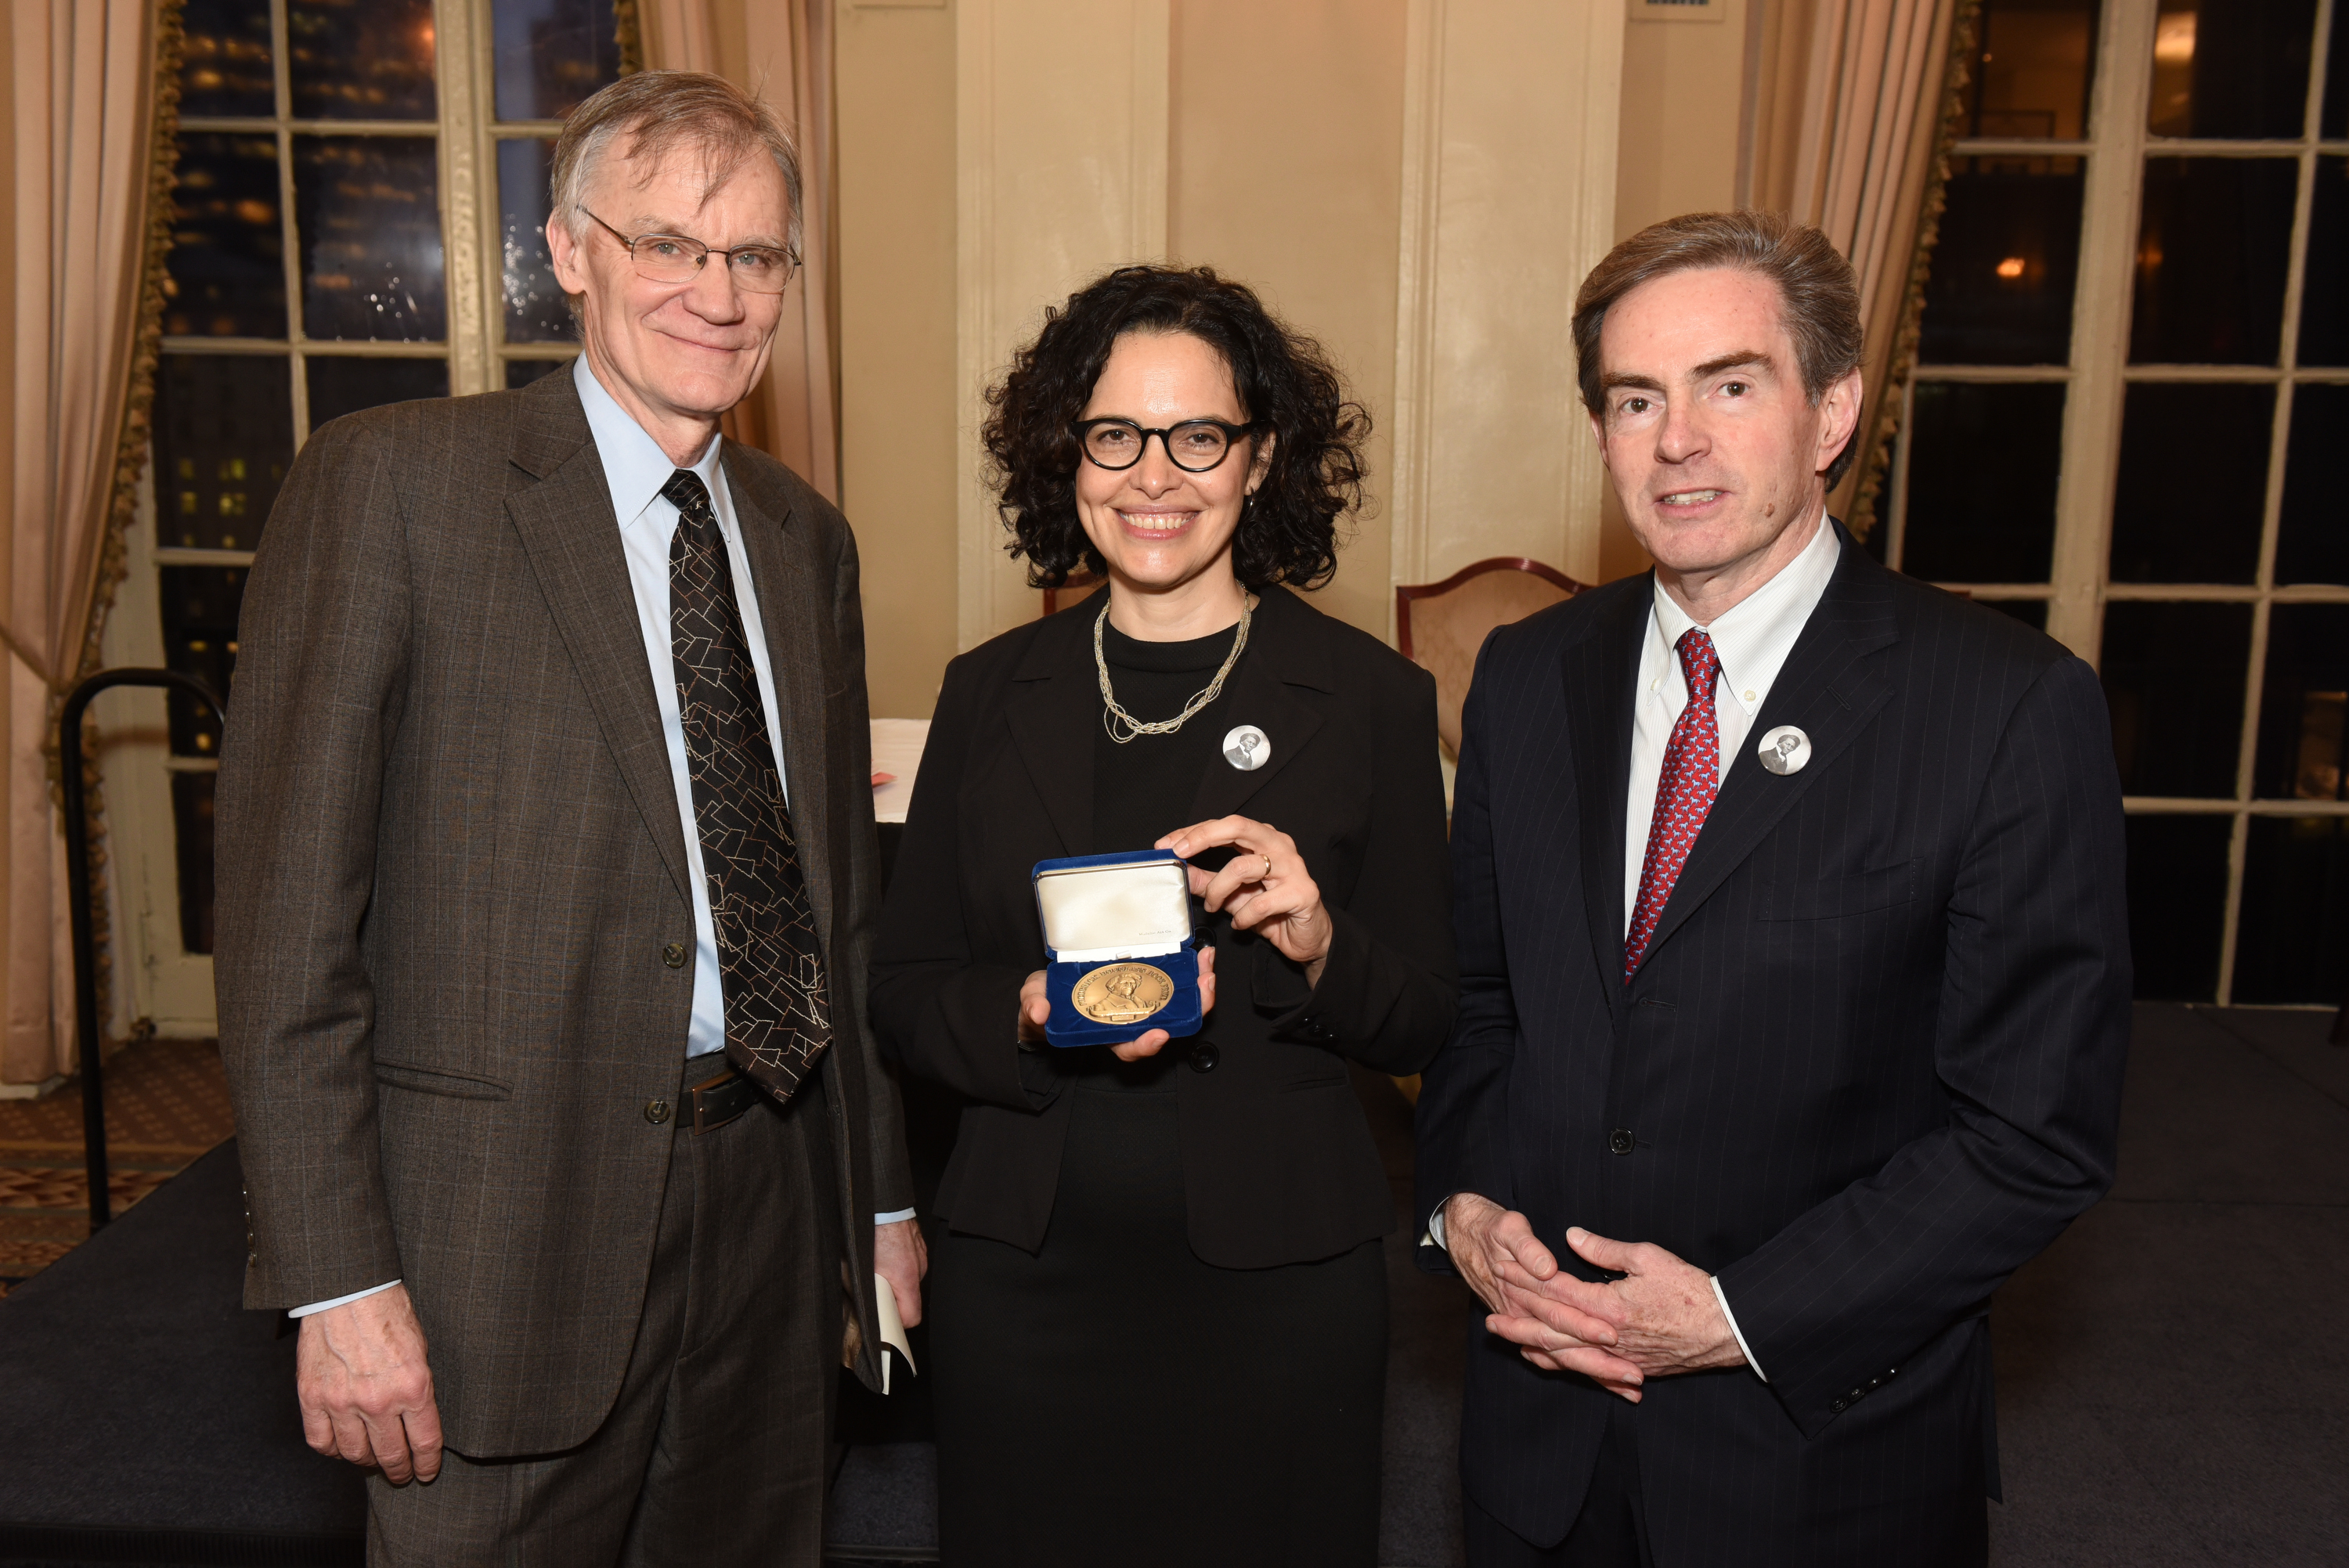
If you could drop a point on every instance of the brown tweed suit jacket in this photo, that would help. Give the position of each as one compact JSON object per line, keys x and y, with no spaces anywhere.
{"x":449,"y":862}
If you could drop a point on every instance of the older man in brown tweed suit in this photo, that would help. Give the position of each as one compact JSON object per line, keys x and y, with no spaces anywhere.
{"x":547,"y":874}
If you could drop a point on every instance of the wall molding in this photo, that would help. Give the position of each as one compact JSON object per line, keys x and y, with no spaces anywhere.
{"x":1049,"y":195}
{"x":1510,"y":128}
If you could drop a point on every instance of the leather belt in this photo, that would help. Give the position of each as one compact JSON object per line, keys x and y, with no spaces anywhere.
{"x":719,"y":1101}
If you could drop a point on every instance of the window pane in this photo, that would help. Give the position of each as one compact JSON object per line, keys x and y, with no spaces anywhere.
{"x":200,"y":606}
{"x":2294,"y":932}
{"x":2335,"y":118}
{"x":521,"y":373}
{"x":1982,"y":462}
{"x":2235,"y":69}
{"x":2178,"y":904}
{"x":2325,"y":296}
{"x":2313,"y":536}
{"x":224,"y":59}
{"x":225,"y":276}
{"x":191,"y":810}
{"x":2193,"y":482}
{"x":367,"y":209}
{"x":2000,"y":292}
{"x":2211,"y":252}
{"x":552,"y":53}
{"x":2031,"y":613}
{"x":2031,"y":70}
{"x":224,"y":440}
{"x":2301,"y":703}
{"x":2173,"y":677}
{"x":360,"y":59}
{"x":340,"y":387}
{"x":535,"y":312}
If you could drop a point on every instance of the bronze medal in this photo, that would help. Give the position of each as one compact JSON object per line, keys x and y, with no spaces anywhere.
{"x":1122,"y":993}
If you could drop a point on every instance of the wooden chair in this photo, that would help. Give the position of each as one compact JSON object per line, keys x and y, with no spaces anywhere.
{"x":1440,"y":626}
{"x":1080,"y":586}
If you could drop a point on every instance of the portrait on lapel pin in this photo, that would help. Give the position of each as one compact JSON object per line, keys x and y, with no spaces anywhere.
{"x":1784,"y":750}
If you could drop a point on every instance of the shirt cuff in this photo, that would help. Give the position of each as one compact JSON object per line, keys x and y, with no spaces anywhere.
{"x":893,"y":1216}
{"x":342,"y":1300}
{"x":1745,"y":1349}
{"x":1433,"y":1234}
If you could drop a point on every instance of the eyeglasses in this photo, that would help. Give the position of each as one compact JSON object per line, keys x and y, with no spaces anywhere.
{"x":677,"y":258}
{"x":1195,"y":446}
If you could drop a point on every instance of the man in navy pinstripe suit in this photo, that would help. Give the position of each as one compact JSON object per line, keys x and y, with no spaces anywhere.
{"x":1795,"y":976}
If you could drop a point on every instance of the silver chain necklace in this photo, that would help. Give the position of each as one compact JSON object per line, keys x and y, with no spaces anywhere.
{"x":1115,"y":719}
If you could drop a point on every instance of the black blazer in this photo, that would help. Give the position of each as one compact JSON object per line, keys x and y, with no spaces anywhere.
{"x":1871,"y":1063}
{"x":1279,"y":1166}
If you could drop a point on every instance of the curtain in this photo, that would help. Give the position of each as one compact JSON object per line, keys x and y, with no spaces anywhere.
{"x":1850,"y":120}
{"x":781,"y":50}
{"x":83,"y":78}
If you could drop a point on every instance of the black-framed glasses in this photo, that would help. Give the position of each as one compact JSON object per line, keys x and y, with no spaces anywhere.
{"x":1195,"y":446}
{"x":678,"y":259}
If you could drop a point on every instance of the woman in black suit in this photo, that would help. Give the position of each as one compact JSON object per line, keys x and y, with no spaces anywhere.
{"x":1158,"y":1297}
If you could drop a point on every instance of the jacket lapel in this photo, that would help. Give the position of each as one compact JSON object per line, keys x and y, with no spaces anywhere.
{"x":572,"y":541}
{"x":1830,"y":689}
{"x":1260,"y":693}
{"x":793,"y":609}
{"x":1054,"y":699}
{"x":1600,"y":673}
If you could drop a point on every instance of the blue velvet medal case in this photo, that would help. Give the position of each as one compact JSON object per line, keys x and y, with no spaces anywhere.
{"x":1110,"y":917}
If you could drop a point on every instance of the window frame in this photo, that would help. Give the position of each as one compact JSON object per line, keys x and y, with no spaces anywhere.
{"x":2098,"y":376}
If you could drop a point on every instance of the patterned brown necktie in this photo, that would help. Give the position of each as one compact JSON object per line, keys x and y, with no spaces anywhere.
{"x":777,"y":1019}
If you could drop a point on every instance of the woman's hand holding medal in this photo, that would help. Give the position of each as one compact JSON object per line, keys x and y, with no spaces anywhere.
{"x":1265,"y":885}
{"x":1036,"y":1008}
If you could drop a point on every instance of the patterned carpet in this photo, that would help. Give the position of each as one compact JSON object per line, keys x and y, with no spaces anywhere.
{"x":166,"y":1103}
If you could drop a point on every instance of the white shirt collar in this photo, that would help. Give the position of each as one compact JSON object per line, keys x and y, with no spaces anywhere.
{"x":1754,"y":638}
{"x":635,"y":467}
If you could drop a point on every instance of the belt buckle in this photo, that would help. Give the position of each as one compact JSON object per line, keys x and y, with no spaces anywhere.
{"x":695,"y":1097}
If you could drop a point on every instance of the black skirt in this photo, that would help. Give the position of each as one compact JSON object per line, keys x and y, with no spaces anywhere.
{"x":1114,"y":1399}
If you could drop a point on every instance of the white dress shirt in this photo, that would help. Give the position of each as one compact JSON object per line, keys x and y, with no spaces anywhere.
{"x":1752,"y":640}
{"x":635,"y":469}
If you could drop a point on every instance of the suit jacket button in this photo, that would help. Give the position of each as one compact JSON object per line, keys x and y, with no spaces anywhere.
{"x":656,"y":1111}
{"x":1620,"y":1141}
{"x":1840,"y":1406}
{"x":674,"y":955}
{"x":1203,"y":1059}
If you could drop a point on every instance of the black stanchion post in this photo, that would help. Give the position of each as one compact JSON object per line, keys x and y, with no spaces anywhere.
{"x":85,"y":932}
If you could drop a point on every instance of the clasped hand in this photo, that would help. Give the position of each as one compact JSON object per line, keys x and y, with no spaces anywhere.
{"x":1661,"y":1318}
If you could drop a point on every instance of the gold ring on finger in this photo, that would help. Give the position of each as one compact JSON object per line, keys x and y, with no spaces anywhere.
{"x":1267,"y":867}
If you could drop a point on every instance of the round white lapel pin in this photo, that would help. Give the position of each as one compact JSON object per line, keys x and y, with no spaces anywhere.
{"x":1246,"y":747}
{"x":1784,"y":750}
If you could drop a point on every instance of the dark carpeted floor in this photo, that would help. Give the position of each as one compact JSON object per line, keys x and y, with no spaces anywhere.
{"x":2172,"y":1384}
{"x":149,"y":1418}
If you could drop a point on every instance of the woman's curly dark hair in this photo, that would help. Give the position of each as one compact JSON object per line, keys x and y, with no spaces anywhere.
{"x":1289,"y":533}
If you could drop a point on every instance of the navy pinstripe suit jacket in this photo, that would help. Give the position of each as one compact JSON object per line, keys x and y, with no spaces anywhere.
{"x":1872,"y":1065}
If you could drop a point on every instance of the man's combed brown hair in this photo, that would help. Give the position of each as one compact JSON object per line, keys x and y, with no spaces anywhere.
{"x":668,"y":114}
{"x":1817,"y":290}
{"x":1287,"y":390}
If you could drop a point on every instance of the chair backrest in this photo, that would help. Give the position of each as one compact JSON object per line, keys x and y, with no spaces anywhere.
{"x":1441,"y":626}
{"x":1080,"y":586}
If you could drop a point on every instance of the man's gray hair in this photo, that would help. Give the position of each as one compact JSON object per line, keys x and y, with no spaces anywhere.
{"x":666,"y":113}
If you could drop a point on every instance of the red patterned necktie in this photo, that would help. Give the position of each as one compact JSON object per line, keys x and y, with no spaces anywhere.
{"x":1689,"y":781}
{"x":778,"y":1018}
